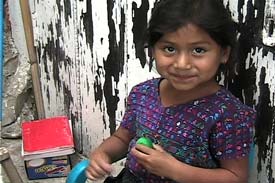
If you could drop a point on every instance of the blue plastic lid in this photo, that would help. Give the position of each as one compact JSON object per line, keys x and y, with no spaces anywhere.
{"x":77,"y":174}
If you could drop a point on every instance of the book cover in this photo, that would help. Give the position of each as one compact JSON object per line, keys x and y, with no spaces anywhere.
{"x":51,"y":135}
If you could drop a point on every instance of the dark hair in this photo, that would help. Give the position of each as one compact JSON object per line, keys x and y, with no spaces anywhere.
{"x":209,"y":15}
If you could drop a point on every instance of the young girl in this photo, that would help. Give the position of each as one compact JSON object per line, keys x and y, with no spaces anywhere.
{"x":201,"y":132}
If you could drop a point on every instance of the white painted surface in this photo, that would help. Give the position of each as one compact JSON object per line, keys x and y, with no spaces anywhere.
{"x":17,"y":29}
{"x":269,"y":23}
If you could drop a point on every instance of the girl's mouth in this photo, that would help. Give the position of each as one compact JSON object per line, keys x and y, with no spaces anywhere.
{"x":183,"y":78}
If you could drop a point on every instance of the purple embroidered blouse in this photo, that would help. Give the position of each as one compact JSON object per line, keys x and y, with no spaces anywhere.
{"x":199,"y":133}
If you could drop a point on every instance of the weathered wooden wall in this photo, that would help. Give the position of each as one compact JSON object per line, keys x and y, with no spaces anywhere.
{"x":90,"y":57}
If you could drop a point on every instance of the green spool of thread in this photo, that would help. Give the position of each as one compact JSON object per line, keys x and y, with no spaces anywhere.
{"x":145,"y":141}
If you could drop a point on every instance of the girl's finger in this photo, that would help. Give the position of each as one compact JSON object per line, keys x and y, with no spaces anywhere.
{"x":143,"y":149}
{"x":138,"y":153}
{"x":106,"y":167}
{"x":158,"y":148}
{"x":96,"y":171}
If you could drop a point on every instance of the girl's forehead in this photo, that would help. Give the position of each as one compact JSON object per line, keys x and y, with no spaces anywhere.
{"x":189,"y":33}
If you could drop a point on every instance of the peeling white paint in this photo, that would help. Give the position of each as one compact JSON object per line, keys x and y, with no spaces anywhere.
{"x":269,"y":24}
{"x":263,"y":175}
{"x":101,"y":30}
{"x":233,"y":6}
{"x":265,"y":62}
{"x":138,"y":2}
{"x":93,"y":129}
{"x":117,"y":17}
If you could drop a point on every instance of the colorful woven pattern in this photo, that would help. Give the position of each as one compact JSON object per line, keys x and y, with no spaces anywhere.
{"x":198,"y":133}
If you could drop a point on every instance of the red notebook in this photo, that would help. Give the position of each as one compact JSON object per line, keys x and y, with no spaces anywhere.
{"x":47,"y":135}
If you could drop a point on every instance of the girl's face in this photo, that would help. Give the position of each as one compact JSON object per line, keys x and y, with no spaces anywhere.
{"x":189,"y":58}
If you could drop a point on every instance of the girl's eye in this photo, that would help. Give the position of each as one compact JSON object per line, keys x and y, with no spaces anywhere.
{"x":199,"y":51}
{"x":169,"y":49}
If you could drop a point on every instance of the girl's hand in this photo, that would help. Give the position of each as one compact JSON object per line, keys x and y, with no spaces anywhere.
{"x":99,"y":166}
{"x":155,"y":160}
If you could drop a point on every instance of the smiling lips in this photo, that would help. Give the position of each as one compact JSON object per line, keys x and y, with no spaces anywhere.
{"x":183,"y":78}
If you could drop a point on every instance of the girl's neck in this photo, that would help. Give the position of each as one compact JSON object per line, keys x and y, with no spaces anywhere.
{"x":171,"y":96}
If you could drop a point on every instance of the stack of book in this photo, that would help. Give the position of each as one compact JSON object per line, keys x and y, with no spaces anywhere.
{"x":46,"y":144}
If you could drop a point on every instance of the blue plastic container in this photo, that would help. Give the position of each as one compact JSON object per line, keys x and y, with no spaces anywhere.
{"x":77,"y":174}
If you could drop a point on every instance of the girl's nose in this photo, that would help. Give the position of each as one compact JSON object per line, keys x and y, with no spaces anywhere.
{"x":183,"y":62}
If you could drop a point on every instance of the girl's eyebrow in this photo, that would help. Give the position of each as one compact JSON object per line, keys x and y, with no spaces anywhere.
{"x":191,"y":43}
{"x":166,"y":41}
{"x":200,"y":42}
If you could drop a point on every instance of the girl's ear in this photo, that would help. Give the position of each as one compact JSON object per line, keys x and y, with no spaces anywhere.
{"x":225,"y":54}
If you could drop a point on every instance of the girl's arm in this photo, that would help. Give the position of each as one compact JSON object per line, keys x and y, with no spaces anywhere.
{"x":116,"y":146}
{"x":163,"y":164}
{"x":231,"y":171}
{"x":112,"y":149}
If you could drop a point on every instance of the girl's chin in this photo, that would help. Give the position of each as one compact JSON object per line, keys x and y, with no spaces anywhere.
{"x":183,"y":86}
